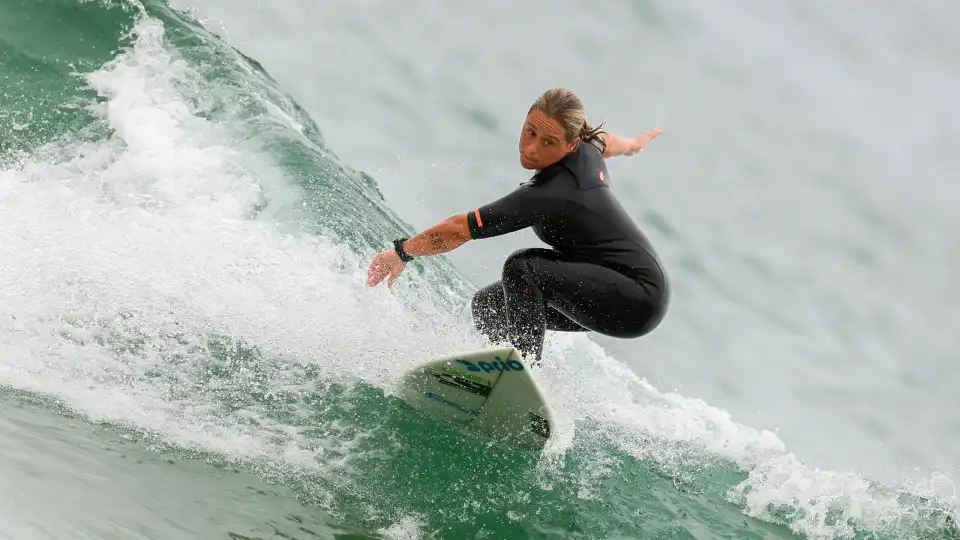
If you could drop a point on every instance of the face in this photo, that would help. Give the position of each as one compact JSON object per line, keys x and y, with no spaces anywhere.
{"x":542,"y":141}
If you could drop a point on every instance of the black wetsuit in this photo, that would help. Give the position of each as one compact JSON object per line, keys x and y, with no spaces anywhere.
{"x":601,"y":275}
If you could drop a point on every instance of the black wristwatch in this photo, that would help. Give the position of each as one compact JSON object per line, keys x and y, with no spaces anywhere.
{"x":398,"y":247}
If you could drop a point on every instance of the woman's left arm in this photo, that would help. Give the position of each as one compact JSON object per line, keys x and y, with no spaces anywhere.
{"x":622,"y":146}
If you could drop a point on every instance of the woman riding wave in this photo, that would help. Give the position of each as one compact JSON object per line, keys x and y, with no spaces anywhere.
{"x":600,"y":273}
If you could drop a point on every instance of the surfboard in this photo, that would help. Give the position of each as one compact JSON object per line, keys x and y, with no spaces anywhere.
{"x":490,"y":392}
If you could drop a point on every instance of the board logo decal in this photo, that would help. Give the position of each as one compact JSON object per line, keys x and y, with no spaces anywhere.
{"x":490,"y":367}
{"x":462,"y":383}
{"x":449,"y":368}
{"x":447,"y":402}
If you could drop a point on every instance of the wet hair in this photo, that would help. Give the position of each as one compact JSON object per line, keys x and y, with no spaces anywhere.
{"x":565,"y":107}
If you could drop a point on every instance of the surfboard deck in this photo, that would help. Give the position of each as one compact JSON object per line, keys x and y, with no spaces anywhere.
{"x":489,"y":392}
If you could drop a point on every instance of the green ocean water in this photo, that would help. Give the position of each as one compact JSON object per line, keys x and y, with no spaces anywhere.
{"x":187,"y":349}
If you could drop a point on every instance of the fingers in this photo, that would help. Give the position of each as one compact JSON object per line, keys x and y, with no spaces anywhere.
{"x":376,"y":272}
{"x":649,"y":136}
{"x":640,"y":141}
{"x":381,"y":267}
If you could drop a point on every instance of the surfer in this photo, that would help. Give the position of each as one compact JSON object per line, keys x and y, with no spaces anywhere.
{"x":600,"y":273}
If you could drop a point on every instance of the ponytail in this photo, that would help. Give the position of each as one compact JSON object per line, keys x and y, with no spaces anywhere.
{"x":593,"y":136}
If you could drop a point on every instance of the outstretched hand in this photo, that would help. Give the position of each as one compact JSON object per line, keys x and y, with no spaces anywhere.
{"x":617,"y":145}
{"x":386,"y":263}
{"x":637,"y":143}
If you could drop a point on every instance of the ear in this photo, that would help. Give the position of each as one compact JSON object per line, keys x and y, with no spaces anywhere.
{"x":574,"y":145}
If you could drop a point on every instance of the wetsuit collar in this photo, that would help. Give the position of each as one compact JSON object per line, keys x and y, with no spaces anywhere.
{"x":550,"y":171}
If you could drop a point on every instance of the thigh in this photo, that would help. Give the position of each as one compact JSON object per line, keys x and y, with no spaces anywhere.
{"x":594,"y":297}
{"x":488,"y":308}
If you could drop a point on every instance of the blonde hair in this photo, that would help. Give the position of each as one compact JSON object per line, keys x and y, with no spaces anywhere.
{"x":565,"y":107}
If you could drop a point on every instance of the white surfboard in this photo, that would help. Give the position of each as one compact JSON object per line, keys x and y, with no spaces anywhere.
{"x":491,"y":392}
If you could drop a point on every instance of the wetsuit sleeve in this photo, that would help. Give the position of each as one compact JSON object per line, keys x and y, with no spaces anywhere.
{"x":517,"y":210}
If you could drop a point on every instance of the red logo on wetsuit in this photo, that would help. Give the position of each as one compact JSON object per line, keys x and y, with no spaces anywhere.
{"x":601,"y":176}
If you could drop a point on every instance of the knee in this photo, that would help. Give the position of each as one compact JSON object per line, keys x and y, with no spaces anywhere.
{"x":479,"y":306}
{"x":518,"y":263}
{"x":488,"y":310}
{"x":487,"y":303}
{"x":648,"y":321}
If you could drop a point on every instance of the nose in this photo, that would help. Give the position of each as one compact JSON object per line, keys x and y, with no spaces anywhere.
{"x":529,"y":151}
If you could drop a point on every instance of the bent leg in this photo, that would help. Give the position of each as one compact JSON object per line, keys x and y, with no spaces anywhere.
{"x":489,"y":312}
{"x":489,"y":309}
{"x":537,"y":282}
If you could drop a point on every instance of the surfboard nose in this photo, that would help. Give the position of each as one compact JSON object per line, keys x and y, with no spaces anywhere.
{"x":490,"y":392}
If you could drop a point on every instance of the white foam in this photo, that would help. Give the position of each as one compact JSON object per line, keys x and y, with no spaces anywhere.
{"x":407,"y":528}
{"x":682,"y":433}
{"x":154,"y":223}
